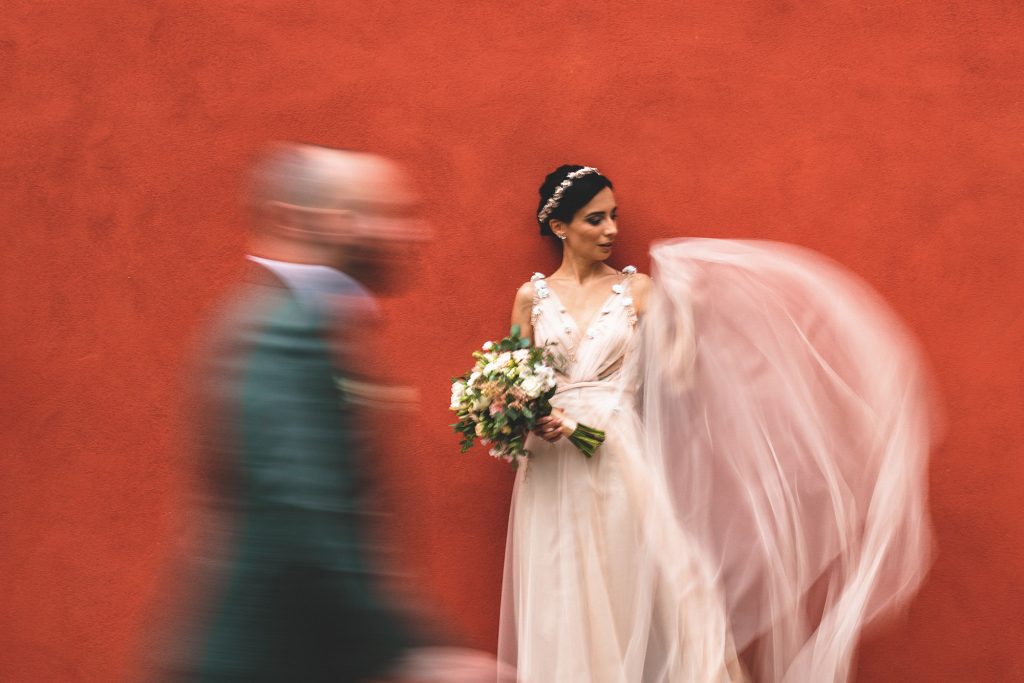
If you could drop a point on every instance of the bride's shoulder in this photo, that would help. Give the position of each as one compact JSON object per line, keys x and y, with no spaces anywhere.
{"x":641,"y":281}
{"x":640,"y":285}
{"x":637,"y":280}
{"x":530,"y":289}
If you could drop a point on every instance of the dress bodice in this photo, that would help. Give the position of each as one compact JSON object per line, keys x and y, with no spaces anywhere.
{"x":592,"y":354}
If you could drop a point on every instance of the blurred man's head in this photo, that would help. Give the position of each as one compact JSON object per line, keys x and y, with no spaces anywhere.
{"x":349,"y":210}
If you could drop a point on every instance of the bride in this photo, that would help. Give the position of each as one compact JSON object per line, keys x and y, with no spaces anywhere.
{"x":760,"y":495}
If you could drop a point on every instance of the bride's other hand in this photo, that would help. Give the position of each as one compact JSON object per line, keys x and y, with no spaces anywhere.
{"x":554,"y":426}
{"x":549,"y":428}
{"x":446,"y":664}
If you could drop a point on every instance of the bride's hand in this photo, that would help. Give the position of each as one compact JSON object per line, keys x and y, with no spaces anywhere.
{"x":554,"y":426}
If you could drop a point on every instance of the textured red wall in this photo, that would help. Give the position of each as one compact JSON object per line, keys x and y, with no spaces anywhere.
{"x":889,"y":136}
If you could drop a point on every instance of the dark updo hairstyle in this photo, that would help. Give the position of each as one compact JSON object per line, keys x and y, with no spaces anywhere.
{"x":574,"y":198}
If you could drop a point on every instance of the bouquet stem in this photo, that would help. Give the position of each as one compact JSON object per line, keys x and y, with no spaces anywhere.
{"x":586,"y":439}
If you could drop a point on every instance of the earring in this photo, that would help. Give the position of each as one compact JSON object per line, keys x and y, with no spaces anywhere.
{"x":561,"y":237}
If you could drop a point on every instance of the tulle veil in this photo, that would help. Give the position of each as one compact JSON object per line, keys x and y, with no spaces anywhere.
{"x":788,"y":415}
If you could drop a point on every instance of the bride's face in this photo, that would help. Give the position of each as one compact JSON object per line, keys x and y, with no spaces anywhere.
{"x":593,"y":229}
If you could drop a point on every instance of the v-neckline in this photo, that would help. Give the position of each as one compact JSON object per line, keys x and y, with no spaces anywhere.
{"x":580,"y":331}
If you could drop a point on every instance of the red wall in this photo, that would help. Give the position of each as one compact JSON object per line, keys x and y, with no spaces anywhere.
{"x":889,"y":136}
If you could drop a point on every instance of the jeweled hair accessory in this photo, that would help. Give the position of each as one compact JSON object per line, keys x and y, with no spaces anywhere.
{"x":552,"y":203}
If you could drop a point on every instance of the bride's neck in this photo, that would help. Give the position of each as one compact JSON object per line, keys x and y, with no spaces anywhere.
{"x":578,"y":269}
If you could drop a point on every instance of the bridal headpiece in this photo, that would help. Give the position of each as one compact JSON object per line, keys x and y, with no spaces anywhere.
{"x":556,"y":197}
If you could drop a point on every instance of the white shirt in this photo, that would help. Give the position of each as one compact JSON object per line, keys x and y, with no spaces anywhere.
{"x":323,"y":289}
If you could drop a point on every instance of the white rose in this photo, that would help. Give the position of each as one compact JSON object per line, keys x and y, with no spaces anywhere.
{"x":532,"y":386}
{"x":458,"y":389}
{"x":521,"y":354}
{"x":488,"y":345}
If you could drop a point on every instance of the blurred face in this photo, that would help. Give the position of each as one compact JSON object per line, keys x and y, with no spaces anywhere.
{"x":349,"y":210}
{"x":594,"y":228}
{"x":385,"y":255}
{"x":383,"y":245}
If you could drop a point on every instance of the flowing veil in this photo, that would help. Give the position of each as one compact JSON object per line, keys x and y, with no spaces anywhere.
{"x":790,"y":415}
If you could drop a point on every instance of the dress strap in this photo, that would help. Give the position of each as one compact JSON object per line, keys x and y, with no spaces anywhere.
{"x":624,"y":289}
{"x":540,"y":292}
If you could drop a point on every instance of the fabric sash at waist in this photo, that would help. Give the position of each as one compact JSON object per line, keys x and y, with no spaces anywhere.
{"x":609,"y":386}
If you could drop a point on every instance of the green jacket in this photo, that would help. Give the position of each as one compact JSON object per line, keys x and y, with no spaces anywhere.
{"x":293,"y":598}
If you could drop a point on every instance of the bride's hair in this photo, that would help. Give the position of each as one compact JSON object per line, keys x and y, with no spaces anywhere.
{"x":574,"y":197}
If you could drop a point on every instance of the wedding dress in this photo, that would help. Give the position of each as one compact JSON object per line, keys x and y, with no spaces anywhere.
{"x":761,"y":487}
{"x":600,"y":586}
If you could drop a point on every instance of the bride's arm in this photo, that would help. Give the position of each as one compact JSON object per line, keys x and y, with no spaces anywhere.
{"x":522,"y":310}
{"x":550,"y":428}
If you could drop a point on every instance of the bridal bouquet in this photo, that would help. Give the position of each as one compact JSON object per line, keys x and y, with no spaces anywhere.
{"x":503,"y":396}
